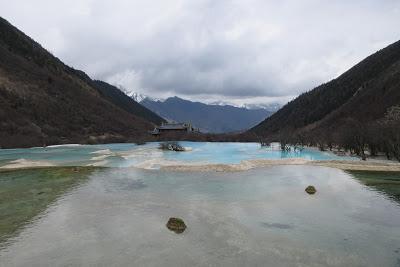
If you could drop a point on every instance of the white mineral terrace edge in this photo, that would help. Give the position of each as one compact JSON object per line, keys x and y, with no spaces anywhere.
{"x":251,"y":164}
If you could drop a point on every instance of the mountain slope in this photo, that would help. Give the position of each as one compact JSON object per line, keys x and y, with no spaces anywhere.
{"x":364,"y":93}
{"x":43,"y":101}
{"x":120,"y":99}
{"x":209,"y":118}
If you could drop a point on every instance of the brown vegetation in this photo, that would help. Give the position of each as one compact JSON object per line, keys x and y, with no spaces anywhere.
{"x":44,"y":102}
{"x":357,"y":112}
{"x":361,"y":139}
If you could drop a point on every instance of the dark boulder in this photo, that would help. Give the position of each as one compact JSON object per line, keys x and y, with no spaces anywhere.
{"x":311,"y":190}
{"x":176,"y":225}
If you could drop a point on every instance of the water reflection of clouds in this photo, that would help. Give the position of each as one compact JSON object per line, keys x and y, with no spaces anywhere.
{"x":242,"y":218}
{"x":277,"y":225}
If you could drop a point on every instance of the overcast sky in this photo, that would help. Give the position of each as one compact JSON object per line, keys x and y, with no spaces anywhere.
{"x":237,"y":51}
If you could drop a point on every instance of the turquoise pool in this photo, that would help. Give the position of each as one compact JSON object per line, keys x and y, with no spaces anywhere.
{"x":126,"y":155}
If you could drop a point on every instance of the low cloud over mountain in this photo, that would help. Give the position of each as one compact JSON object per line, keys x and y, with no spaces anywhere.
{"x":203,"y":50}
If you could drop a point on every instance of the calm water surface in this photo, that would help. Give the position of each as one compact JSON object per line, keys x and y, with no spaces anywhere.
{"x":261,"y":217}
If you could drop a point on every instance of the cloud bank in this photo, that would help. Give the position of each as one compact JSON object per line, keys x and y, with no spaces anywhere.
{"x":226,"y":49}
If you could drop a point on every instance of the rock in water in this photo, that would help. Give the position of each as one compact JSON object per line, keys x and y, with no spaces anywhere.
{"x":177,"y":225}
{"x":311,"y":190}
{"x":173,"y":146}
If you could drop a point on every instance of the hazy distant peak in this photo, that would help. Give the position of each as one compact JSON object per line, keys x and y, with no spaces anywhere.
{"x":270,"y":106}
{"x":208,"y":117}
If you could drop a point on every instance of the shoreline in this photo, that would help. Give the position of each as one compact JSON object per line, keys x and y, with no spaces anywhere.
{"x":260,"y":163}
{"x":346,"y":165}
{"x":26,"y":164}
{"x":373,"y":165}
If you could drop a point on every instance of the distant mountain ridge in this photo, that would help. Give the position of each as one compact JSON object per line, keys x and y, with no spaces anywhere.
{"x":209,"y":118}
{"x":272,"y":107}
{"x":120,"y":99}
{"x":363,"y":94}
{"x":43,"y":101}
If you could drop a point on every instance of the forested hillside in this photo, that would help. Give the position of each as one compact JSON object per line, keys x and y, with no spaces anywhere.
{"x":43,"y":101}
{"x":120,"y":99}
{"x":357,"y":111}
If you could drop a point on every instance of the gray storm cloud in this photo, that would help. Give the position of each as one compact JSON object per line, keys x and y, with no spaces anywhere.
{"x":228,"y":49}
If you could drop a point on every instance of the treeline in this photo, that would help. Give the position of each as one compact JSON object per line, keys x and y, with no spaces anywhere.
{"x":358,"y":138}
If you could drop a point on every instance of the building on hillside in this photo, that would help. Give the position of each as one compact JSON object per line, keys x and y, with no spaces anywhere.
{"x":174,"y":128}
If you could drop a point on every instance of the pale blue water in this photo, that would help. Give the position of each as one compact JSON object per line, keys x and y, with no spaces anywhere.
{"x":236,"y":152}
{"x":122,"y":155}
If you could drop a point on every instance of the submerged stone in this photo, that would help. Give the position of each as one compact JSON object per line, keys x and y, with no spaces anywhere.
{"x":140,"y":142}
{"x":173,"y":146}
{"x":176,"y":225}
{"x":311,"y":190}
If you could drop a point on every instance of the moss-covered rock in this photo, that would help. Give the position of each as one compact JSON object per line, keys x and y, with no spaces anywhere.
{"x":311,"y":190}
{"x":176,"y":225}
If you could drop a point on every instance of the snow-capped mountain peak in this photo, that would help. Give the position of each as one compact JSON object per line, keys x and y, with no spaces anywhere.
{"x":138,"y":97}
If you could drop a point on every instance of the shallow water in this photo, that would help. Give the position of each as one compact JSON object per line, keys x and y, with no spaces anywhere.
{"x":25,"y":194}
{"x":125,"y":155}
{"x":385,"y":182}
{"x":261,"y":217}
